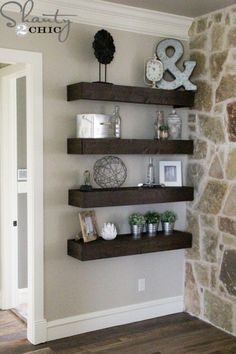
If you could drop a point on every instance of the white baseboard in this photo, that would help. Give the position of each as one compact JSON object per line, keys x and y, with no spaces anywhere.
{"x":22,"y":296}
{"x":71,"y":326}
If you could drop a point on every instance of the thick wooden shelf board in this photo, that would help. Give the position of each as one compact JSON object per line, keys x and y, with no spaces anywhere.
{"x":118,"y":93}
{"x":129,"y":196}
{"x":125,"y":245}
{"x":128,"y":146}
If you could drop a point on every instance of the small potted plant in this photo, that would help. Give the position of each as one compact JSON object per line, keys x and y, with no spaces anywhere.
{"x":152,"y":220}
{"x":168,"y":219}
{"x":164,"y":132}
{"x":137,"y":222}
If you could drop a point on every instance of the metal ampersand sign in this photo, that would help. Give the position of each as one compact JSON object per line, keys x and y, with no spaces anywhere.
{"x":169,"y":63}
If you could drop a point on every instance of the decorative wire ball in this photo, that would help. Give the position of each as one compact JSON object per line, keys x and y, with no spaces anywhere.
{"x":109,"y":172}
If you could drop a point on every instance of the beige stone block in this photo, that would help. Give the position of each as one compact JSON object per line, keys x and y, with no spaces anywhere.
{"x":226,"y":88}
{"x":218,"y":311}
{"x":216,"y":170}
{"x":228,"y":271}
{"x":211,"y":128}
{"x":214,"y":277}
{"x":230,"y":204}
{"x":195,"y":172}
{"x":227,"y":19}
{"x":210,"y":242}
{"x":204,"y":96}
{"x":192,"y":297}
{"x":217,"y":61}
{"x":217,"y":37}
{"x":193,"y":227}
{"x":231,"y":121}
{"x":202,"y":274}
{"x":208,"y":220}
{"x":218,"y":108}
{"x":229,"y":241}
{"x":192,"y":29}
{"x":200,"y":68}
{"x":232,"y":37}
{"x":198,"y":42}
{"x":212,"y":197}
{"x":218,"y":17}
{"x":227,"y":225}
{"x":200,"y":149}
{"x":231,"y":165}
{"x":201,"y":25}
{"x":230,"y":66}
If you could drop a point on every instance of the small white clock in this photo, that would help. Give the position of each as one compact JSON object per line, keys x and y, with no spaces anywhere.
{"x":153,"y":71}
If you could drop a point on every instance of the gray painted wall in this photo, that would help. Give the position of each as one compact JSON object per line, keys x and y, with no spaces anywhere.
{"x":73,"y":287}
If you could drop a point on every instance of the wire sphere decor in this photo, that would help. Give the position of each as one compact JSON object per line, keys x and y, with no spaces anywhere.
{"x":109,"y":172}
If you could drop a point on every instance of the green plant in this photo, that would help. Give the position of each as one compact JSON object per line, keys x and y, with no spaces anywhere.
{"x":137,"y":219}
{"x":152,"y":217}
{"x":168,"y":216}
{"x":164,"y":128}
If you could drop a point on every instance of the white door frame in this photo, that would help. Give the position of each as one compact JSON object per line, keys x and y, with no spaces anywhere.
{"x":36,"y":325}
{"x":9,"y":233}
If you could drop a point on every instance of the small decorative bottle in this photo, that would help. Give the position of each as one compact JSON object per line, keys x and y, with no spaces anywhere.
{"x":158,"y":123}
{"x":175,"y":125}
{"x":150,"y":173}
{"x":117,"y":122}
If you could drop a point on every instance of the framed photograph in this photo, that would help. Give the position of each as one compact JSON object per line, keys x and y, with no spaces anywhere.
{"x":170,"y":173}
{"x":88,"y":225}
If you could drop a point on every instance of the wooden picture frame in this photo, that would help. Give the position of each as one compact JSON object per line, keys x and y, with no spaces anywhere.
{"x":170,"y":173}
{"x":88,"y":223}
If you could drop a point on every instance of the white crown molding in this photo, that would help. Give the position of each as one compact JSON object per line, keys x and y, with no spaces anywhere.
{"x":88,"y":322}
{"x":115,"y":16}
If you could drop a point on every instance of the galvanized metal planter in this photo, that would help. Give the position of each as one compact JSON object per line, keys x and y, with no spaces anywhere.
{"x":152,"y":229}
{"x":137,"y":230}
{"x":168,"y":228}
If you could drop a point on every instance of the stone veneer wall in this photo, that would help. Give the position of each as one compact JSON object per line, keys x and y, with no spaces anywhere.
{"x":210,"y":287}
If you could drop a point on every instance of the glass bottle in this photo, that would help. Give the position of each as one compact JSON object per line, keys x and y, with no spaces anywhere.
{"x":158,"y":123}
{"x":150,"y":173}
{"x":175,"y":125}
{"x":117,"y":122}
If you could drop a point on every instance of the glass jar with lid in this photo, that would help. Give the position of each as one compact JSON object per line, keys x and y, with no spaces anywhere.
{"x":174,"y":122}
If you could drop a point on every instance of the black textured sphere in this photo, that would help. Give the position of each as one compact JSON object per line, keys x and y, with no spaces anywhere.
{"x":104,"y":47}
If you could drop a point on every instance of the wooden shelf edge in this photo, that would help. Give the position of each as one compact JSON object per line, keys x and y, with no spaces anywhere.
{"x":126,"y":245}
{"x":130,"y":94}
{"x":129,"y":196}
{"x":84,"y":146}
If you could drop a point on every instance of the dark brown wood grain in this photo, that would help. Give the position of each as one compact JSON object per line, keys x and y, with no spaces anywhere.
{"x":126,"y":245}
{"x":128,"y":146}
{"x":129,"y":196}
{"x":174,"y":334}
{"x":118,"y":93}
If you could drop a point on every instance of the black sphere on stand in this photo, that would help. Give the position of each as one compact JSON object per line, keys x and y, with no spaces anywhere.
{"x":104,"y":49}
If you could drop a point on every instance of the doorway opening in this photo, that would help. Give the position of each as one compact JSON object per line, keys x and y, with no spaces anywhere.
{"x":21,"y":189}
{"x":19,"y":161}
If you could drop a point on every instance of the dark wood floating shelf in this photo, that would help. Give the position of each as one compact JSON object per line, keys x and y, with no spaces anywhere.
{"x":118,"y":93}
{"x":128,"y":196}
{"x":125,"y":245}
{"x":128,"y":146}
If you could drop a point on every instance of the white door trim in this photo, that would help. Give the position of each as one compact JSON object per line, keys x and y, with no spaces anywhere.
{"x":36,"y":326}
{"x":9,"y":239}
